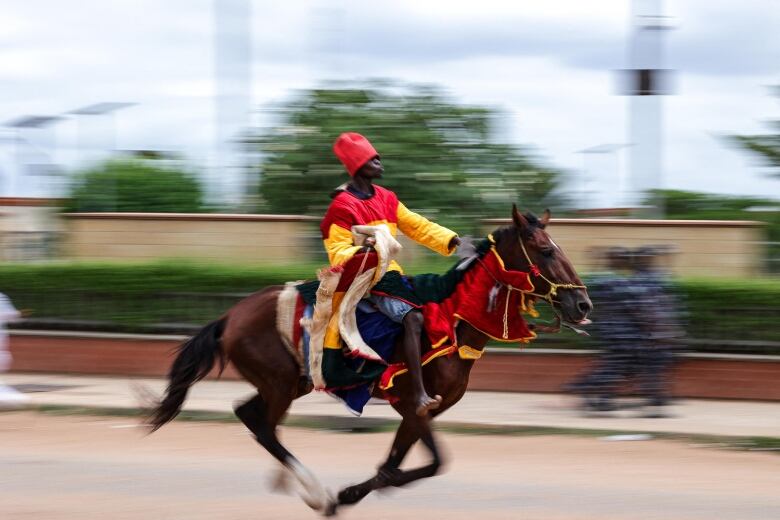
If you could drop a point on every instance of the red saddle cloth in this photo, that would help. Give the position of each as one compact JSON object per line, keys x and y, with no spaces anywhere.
{"x":490,"y":298}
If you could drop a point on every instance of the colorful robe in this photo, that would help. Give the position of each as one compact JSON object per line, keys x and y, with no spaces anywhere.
{"x":383,"y":207}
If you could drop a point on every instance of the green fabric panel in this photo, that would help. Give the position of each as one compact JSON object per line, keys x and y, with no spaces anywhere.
{"x":436,"y":287}
{"x":337,"y":374}
{"x":308,"y":291}
{"x":392,"y":283}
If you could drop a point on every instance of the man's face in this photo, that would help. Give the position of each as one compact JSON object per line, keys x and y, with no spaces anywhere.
{"x":372,"y":169}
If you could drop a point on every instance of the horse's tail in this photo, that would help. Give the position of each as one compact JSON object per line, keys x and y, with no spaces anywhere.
{"x":196,"y":357}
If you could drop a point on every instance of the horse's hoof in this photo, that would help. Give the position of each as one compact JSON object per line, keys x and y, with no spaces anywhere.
{"x":331,"y":509}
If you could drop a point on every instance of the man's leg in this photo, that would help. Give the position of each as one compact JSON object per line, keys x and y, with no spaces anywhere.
{"x":412,"y":320}
{"x":413,"y":326}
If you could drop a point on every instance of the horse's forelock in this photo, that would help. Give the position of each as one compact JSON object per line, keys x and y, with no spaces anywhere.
{"x":533,"y":219}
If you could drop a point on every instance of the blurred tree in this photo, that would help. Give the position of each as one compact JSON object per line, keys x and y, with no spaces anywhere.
{"x":439,"y":157}
{"x":135,"y":185}
{"x":767,"y":146}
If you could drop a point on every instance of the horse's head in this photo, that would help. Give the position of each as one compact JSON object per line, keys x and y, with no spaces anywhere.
{"x":526,"y":246}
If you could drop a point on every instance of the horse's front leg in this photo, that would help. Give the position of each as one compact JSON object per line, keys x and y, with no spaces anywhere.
{"x":412,"y":429}
{"x":407,"y":434}
{"x":400,"y":478}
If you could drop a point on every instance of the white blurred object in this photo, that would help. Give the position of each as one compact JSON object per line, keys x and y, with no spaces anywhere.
{"x":7,"y":313}
{"x":628,"y":437}
{"x":10,"y":398}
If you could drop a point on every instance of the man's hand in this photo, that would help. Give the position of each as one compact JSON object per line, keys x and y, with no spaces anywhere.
{"x":368,"y":244}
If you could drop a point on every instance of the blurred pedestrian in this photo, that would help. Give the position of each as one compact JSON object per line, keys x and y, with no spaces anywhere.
{"x":657,"y":351}
{"x":620,"y":325}
{"x":9,"y":397}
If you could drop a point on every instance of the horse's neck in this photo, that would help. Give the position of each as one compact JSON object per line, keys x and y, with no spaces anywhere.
{"x":468,"y":335}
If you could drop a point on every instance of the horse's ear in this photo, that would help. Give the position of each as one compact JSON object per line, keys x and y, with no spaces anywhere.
{"x":518,"y":218}
{"x":545,"y":218}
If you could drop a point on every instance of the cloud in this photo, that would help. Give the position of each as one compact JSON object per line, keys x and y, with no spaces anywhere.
{"x":548,"y":64}
{"x":718,"y":38}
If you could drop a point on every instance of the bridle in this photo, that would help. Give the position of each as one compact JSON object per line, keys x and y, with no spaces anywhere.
{"x":554,"y":286}
{"x":527,"y":306}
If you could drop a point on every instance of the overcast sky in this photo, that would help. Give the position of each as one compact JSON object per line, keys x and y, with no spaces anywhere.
{"x":548,"y":65}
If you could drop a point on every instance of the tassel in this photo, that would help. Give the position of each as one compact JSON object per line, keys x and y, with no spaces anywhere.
{"x":492,"y":295}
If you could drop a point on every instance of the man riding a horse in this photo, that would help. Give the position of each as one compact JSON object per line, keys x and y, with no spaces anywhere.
{"x":486,"y":297}
{"x":361,"y":202}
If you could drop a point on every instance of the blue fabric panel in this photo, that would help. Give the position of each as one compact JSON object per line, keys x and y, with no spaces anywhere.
{"x":308,"y":312}
{"x":380,"y":333}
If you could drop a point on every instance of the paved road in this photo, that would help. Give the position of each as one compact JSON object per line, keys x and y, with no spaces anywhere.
{"x":86,"y":468}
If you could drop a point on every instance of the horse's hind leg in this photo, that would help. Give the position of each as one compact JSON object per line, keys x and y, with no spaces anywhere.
{"x":261,"y":417}
{"x":261,"y":421}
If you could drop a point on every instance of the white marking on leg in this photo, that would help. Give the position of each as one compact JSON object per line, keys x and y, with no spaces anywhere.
{"x":313,"y":493}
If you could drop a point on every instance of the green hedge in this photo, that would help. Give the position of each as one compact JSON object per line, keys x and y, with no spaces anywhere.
{"x":179,"y":296}
{"x":165,"y":296}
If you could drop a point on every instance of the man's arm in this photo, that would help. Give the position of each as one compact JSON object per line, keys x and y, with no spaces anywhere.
{"x":337,"y":237}
{"x":339,"y":245}
{"x":423,"y":231}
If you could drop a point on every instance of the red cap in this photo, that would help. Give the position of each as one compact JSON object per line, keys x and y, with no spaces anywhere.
{"x":353,"y":150}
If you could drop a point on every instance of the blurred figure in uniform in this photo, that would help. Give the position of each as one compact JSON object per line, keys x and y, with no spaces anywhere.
{"x":620,"y":327}
{"x":9,"y":397}
{"x":656,"y":355}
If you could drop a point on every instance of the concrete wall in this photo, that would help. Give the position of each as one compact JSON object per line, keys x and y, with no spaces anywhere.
{"x":714,"y":248}
{"x":271,"y":239}
{"x":256,"y":239}
{"x":705,"y":247}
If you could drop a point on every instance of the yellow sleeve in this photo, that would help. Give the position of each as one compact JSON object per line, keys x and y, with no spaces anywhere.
{"x":425,"y":232}
{"x":339,"y":245}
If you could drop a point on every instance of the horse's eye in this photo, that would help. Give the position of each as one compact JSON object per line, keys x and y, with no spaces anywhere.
{"x":548,"y":252}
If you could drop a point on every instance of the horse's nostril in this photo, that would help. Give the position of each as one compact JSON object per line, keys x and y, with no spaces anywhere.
{"x":585,"y":307}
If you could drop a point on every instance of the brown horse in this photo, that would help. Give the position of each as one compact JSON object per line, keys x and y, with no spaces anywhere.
{"x":247,"y":336}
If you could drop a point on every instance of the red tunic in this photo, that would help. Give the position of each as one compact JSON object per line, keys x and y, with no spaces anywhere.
{"x":383,"y":207}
